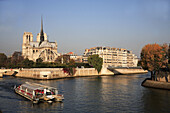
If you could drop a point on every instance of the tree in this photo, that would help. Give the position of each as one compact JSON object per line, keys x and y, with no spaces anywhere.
{"x":63,"y":59}
{"x":16,"y":59}
{"x":96,"y":62}
{"x":3,"y":59}
{"x":26,"y":63}
{"x":169,"y":58}
{"x":71,"y":63}
{"x":169,"y":54}
{"x":154,"y":57}
{"x":39,"y":60}
{"x":70,"y":68}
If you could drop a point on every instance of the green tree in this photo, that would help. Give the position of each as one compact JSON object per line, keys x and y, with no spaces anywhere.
{"x":96,"y":62}
{"x":3,"y":59}
{"x":72,"y":66}
{"x":16,"y":59}
{"x":154,"y":57}
{"x":26,"y":63}
{"x":39,"y":60}
{"x":169,"y":54}
{"x":63,"y":59}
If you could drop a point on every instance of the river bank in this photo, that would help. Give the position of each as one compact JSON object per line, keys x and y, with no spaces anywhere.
{"x":156,"y":84}
{"x":58,"y":73}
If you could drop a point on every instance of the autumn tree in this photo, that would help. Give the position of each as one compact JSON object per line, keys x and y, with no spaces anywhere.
{"x":154,"y":57}
{"x":96,"y":62}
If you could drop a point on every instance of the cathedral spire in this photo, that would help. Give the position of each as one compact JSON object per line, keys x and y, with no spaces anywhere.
{"x":41,"y":25}
{"x":41,"y":32}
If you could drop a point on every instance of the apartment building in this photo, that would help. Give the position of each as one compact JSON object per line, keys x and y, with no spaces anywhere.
{"x":75,"y":57}
{"x":116,"y":57}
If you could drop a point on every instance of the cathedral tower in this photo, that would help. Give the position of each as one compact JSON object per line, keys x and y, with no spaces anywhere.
{"x":27,"y":37}
{"x":41,"y":48}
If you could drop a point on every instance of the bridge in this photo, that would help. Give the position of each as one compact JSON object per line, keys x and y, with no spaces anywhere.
{"x":8,"y":72}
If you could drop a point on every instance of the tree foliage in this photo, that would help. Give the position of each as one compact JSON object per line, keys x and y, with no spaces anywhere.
{"x":154,"y":57}
{"x":3,"y":59}
{"x":64,"y":59}
{"x":96,"y":62}
{"x":16,"y":59}
{"x":27,"y":63}
{"x":39,"y":60}
{"x":169,"y":55}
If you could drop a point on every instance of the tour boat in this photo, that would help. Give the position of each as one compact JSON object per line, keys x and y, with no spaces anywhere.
{"x":38,"y":92}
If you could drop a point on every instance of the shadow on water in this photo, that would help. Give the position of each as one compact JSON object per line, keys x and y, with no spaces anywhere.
{"x":157,"y":99}
{"x":46,"y":105}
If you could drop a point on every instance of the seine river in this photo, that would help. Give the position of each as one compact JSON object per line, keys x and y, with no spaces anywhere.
{"x":111,"y":94}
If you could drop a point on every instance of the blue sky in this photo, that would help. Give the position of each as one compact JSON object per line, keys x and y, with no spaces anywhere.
{"x":80,"y":24}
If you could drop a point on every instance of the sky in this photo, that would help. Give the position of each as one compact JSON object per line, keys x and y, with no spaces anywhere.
{"x":79,"y":24}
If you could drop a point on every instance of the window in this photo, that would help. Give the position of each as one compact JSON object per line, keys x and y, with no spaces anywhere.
{"x":33,"y":51}
{"x":29,"y":37}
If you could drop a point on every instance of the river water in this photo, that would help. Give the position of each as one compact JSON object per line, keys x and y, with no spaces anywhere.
{"x":113,"y":94}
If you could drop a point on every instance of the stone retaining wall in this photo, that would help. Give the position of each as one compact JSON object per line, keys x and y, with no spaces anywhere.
{"x":54,"y":73}
{"x":85,"y":72}
{"x":42,"y":73}
{"x":156,"y":84}
{"x":129,"y":71}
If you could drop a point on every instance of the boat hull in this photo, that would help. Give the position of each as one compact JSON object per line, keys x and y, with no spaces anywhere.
{"x":38,"y":93}
{"x":24,"y":95}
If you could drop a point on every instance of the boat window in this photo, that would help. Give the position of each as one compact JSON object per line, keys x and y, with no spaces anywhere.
{"x":23,"y":88}
{"x":48,"y":93}
{"x":29,"y":90}
{"x":53,"y":91}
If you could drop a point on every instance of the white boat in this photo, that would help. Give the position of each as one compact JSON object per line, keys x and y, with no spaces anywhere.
{"x":38,"y":92}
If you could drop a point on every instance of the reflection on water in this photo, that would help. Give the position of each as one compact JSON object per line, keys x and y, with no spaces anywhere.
{"x":120,"y":93}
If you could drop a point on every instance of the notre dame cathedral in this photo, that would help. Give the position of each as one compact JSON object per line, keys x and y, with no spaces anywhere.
{"x":41,"y":48}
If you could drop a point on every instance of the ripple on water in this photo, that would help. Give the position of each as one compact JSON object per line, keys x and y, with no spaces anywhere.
{"x":120,"y":93}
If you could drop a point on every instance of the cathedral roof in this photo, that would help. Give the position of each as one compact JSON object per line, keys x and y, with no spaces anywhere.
{"x":34,"y":44}
{"x":48,"y":44}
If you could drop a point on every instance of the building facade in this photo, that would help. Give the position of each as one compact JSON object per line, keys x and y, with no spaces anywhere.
{"x":41,"y":48}
{"x":116,"y":57}
{"x":75,"y":57}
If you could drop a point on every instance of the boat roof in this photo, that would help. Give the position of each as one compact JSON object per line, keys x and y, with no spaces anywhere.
{"x":35,"y":86}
